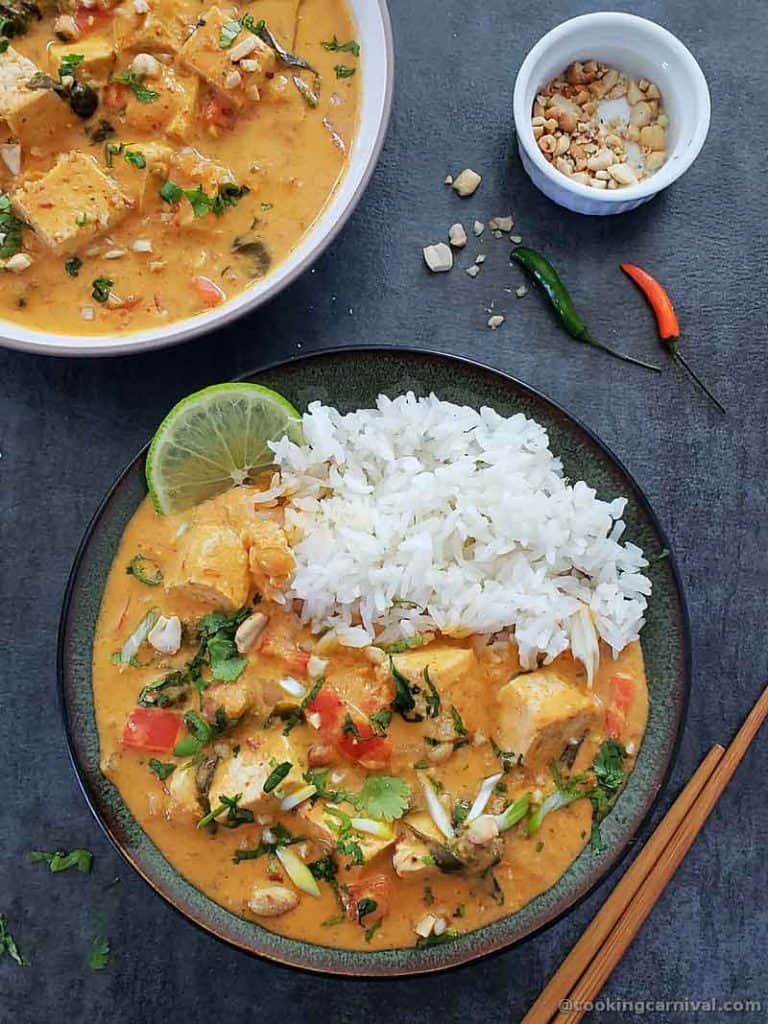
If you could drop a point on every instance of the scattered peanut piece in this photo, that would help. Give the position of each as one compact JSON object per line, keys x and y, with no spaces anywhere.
{"x":500,"y":224}
{"x":466,"y":183}
{"x":495,"y":321}
{"x":473,"y":271}
{"x":481,"y":258}
{"x":448,"y":179}
{"x":521,"y":291}
{"x":438,"y":258}
{"x":478,"y":228}
{"x":457,"y":236}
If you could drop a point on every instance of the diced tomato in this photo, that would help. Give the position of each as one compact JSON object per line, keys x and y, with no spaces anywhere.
{"x":152,"y":729}
{"x":622,"y":691}
{"x":372,"y":887}
{"x":370,"y":750}
{"x":329,"y":708}
{"x":88,"y":19}
{"x":209,"y":293}
{"x":366,"y":748}
{"x":615,"y":724}
{"x":216,"y":110}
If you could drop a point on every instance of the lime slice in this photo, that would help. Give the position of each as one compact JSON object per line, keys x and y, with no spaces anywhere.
{"x":214,"y":439}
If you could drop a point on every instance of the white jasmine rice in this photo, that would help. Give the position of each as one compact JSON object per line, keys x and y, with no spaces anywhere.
{"x":420,"y":514}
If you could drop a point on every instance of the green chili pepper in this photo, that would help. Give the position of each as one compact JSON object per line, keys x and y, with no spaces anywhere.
{"x":545,"y":275}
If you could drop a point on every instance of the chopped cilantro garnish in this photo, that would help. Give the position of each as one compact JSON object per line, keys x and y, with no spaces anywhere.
{"x":8,"y":944}
{"x":134,"y":157}
{"x":171,"y":193}
{"x":101,"y":287}
{"x":98,"y":954}
{"x":59,"y":860}
{"x":458,"y":724}
{"x":334,"y":46}
{"x":10,"y":229}
{"x":370,"y":932}
{"x":437,"y":940}
{"x":136,"y":84}
{"x":162,"y":769}
{"x":276,"y":776}
{"x":236,"y":816}
{"x":380,"y":720}
{"x":73,"y":265}
{"x":342,"y":71}
{"x":68,"y":64}
{"x":384,"y":796}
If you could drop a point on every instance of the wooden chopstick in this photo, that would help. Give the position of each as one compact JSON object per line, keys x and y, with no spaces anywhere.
{"x":571,"y":969}
{"x":614,"y":927}
{"x":599,"y":970}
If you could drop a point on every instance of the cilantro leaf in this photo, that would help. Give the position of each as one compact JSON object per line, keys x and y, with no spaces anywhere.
{"x":136,"y":84}
{"x":101,"y":287}
{"x":59,"y":860}
{"x":404,"y":702}
{"x":170,"y":192}
{"x":458,"y":724}
{"x":68,"y":64}
{"x":73,"y":265}
{"x":384,"y":796}
{"x":98,"y":954}
{"x":379,"y":721}
{"x":162,"y":769}
{"x":136,"y":158}
{"x":334,"y":46}
{"x":342,"y":71}
{"x":8,"y":944}
{"x":10,"y":229}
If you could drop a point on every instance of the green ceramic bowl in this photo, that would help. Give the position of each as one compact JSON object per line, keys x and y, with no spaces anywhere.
{"x":351,"y":379}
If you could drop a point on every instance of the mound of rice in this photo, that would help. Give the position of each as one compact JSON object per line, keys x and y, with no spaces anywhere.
{"x":420,"y":514}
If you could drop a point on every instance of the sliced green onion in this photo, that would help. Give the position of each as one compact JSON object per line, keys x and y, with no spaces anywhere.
{"x":437,"y":812}
{"x":514,"y":813}
{"x":130,"y":648}
{"x":380,"y":829}
{"x":293,"y":687}
{"x":560,"y":798}
{"x":483,"y":796}
{"x":297,"y":871}
{"x":297,"y":797}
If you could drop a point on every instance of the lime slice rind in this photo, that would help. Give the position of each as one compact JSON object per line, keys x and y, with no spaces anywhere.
{"x":213,"y":439}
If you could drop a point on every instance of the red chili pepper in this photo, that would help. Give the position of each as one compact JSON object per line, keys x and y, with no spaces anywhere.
{"x":666,"y":318}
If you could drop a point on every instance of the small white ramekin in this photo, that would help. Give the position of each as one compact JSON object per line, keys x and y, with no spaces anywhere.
{"x":641,"y":49}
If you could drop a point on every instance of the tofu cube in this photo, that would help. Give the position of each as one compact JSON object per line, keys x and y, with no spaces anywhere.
{"x":71,"y":204}
{"x":447,"y":665}
{"x":247,"y":772}
{"x":539,"y":714}
{"x":412,"y":854}
{"x":211,"y":567}
{"x":97,"y":52}
{"x":174,"y":110}
{"x":33,"y":116}
{"x":239,"y":71}
{"x":183,"y":798}
{"x":314,"y":824}
{"x":160,"y":30}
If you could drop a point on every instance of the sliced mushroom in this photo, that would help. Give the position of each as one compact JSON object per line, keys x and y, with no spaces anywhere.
{"x":251,"y":246}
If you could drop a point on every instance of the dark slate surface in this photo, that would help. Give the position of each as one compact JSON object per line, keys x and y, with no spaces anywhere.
{"x":68,"y":426}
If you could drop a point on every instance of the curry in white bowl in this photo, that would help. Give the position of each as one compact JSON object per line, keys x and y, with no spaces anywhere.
{"x":159,"y":156}
{"x":363,"y":798}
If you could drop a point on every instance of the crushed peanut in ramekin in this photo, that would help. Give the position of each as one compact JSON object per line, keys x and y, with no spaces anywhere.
{"x":599,"y":127}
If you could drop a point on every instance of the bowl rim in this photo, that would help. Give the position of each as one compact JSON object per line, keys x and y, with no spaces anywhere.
{"x":40,"y":342}
{"x":669,"y":173}
{"x":376,"y":964}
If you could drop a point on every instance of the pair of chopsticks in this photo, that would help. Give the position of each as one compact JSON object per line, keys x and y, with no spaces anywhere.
{"x":587,"y":967}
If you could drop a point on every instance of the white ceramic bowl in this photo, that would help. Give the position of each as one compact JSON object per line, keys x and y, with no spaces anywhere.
{"x":374,"y":33}
{"x":642,"y":49}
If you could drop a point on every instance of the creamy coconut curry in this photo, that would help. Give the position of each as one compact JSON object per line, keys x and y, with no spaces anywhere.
{"x":364,"y":798}
{"x":158,"y":156}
